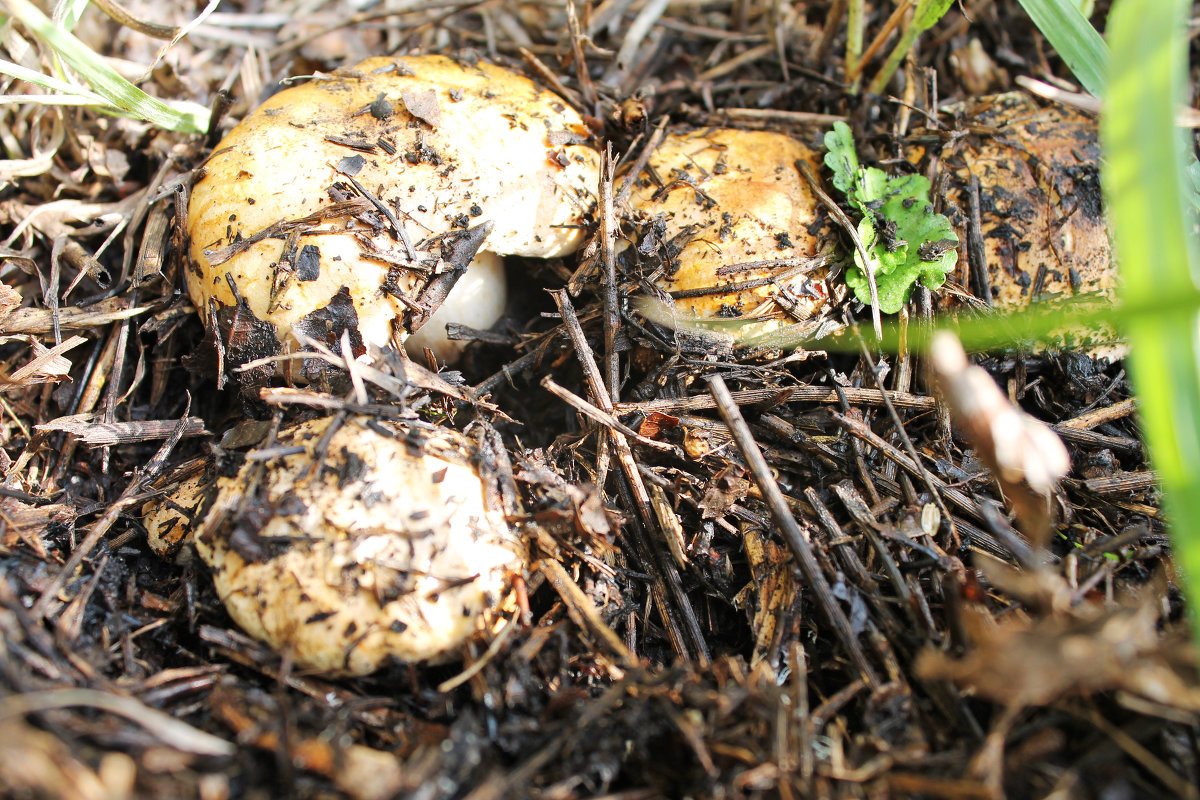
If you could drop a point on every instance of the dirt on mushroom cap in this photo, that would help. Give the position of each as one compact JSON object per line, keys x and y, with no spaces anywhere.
{"x":735,"y":205}
{"x":1043,"y":233}
{"x":443,"y":145}
{"x":383,"y":549}
{"x":1044,"y":230}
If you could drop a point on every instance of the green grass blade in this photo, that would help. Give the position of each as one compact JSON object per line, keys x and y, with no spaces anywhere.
{"x":78,"y":95}
{"x":1040,"y":324}
{"x":926,"y":15}
{"x":119,"y":93}
{"x":67,"y":13}
{"x":1143,"y":179}
{"x":1074,"y":38}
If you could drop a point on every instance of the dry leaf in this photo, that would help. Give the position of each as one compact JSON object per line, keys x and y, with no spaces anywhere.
{"x":1022,"y":662}
{"x":1024,"y":455}
{"x":28,"y":523}
{"x":423,"y":106}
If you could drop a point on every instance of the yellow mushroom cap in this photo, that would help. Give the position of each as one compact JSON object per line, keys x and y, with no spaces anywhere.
{"x":383,"y":548}
{"x":441,"y":144}
{"x":1043,"y":226}
{"x":740,"y":198}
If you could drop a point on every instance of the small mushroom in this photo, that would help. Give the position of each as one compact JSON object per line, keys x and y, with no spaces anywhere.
{"x":736,"y":225}
{"x":169,"y":520}
{"x":356,"y":545}
{"x":360,"y":197}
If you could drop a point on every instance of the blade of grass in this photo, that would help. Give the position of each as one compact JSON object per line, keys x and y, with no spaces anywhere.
{"x":1038,"y":324}
{"x":855,"y":17}
{"x":1142,"y":178}
{"x":1074,"y":38}
{"x":927,"y":13}
{"x":67,"y":13}
{"x":119,"y":93}
{"x":77,"y":94}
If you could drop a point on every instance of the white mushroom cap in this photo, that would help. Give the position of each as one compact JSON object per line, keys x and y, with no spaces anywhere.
{"x":741,"y":199}
{"x":383,"y":549}
{"x":443,"y":145}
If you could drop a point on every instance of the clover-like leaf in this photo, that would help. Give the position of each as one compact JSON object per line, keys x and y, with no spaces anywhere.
{"x":841,"y":157}
{"x":898,"y":227}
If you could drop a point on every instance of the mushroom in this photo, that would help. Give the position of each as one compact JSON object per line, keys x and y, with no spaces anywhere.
{"x":736,"y":218}
{"x":169,"y":520}
{"x":349,"y":546}
{"x":358,"y":198}
{"x":1043,"y":233}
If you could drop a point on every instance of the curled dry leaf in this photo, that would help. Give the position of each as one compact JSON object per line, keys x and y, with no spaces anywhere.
{"x":379,"y":547}
{"x":731,"y":226}
{"x":48,"y":365}
{"x":1024,"y":455}
{"x":358,"y":198}
{"x":1021,"y":663}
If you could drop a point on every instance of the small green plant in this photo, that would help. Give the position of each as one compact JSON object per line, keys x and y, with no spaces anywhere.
{"x":899,"y":230}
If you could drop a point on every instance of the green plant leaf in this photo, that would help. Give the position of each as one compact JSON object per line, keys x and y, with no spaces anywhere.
{"x":897,"y":226}
{"x":841,"y":157}
{"x":1143,"y":178}
{"x":929,"y":12}
{"x":1074,"y":38}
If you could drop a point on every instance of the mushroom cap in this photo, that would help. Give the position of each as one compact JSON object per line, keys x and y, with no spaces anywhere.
{"x":169,"y":525}
{"x":736,"y":197}
{"x":1043,"y":222}
{"x":442,"y":144}
{"x":1041,"y":203}
{"x":384,"y":548}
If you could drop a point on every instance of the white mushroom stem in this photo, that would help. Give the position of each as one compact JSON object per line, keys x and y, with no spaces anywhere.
{"x":477,"y":301}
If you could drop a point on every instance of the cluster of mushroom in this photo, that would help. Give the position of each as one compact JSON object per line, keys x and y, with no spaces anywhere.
{"x":375,"y":205}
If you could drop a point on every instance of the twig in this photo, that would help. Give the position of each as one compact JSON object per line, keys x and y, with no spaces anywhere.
{"x":168,"y":730}
{"x":668,"y":579}
{"x":581,"y":608}
{"x":955,"y":497}
{"x":632,"y":41}
{"x":130,"y":497}
{"x":924,"y":475}
{"x":603,"y":417}
{"x":795,"y":538}
{"x":796,"y":394}
{"x":608,"y":259}
{"x":851,"y":231}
